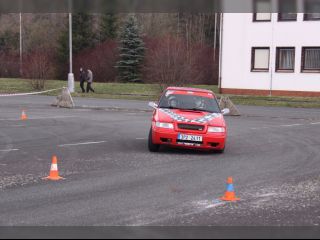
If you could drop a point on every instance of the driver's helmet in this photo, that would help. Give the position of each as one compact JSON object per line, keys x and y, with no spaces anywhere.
{"x":200,"y":103}
{"x":173,"y":102}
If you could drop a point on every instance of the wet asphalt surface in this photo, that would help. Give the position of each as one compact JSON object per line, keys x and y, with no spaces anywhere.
{"x":273,"y":154}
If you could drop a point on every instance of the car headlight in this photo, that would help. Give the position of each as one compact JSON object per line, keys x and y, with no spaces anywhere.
{"x":216,"y":130}
{"x":164,"y":125}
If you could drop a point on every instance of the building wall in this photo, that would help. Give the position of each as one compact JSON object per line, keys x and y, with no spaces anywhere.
{"x":240,"y":34}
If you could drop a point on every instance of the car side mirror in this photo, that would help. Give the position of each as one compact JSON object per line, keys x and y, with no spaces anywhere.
{"x":225,"y":111}
{"x":153,"y":105}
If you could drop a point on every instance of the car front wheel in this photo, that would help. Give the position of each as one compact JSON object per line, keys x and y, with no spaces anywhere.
{"x":220,"y":151}
{"x":152,"y":147}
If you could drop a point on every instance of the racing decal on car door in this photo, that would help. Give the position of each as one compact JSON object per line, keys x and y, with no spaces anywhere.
{"x":179,"y":118}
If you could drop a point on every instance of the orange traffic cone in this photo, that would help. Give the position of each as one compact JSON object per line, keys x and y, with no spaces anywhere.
{"x":54,"y":172}
{"x":24,"y":116}
{"x":230,"y":195}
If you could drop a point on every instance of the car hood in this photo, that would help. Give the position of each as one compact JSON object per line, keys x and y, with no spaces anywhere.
{"x":194,"y":117}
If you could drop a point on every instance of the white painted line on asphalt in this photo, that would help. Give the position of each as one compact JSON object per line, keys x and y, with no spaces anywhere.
{"x":37,"y":118}
{"x":316,"y":123}
{"x":10,"y":119}
{"x":54,"y":117}
{"x":80,"y":144}
{"x":292,"y":125}
{"x":280,"y":126}
{"x":141,"y":139}
{"x":257,"y":128}
{"x":204,"y":205}
{"x":9,"y":150}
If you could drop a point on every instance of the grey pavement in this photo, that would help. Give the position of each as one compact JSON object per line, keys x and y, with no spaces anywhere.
{"x":44,"y":101}
{"x":112,"y":180}
{"x":92,"y":103}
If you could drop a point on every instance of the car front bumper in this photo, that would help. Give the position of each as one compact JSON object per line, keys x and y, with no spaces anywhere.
{"x":211,"y":141}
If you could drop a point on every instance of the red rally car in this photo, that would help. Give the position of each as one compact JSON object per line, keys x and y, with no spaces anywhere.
{"x":188,"y":118}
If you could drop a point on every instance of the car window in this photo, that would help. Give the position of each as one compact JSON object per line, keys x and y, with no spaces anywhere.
{"x":189,"y":102}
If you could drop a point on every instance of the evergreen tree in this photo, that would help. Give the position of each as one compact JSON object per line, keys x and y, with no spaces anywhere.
{"x":82,"y":35}
{"x":108,"y":27}
{"x":132,"y":52}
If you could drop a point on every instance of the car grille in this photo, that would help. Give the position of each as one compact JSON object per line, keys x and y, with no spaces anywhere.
{"x":191,"y":127}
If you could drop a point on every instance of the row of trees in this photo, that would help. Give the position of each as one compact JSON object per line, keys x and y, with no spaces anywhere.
{"x":165,"y":48}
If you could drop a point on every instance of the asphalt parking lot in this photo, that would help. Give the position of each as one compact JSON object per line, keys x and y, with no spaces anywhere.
{"x":111,"y":178}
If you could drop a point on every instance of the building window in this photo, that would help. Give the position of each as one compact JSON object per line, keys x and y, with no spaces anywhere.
{"x":260,"y":59}
{"x":312,"y":16}
{"x":312,"y":10}
{"x":311,"y":59}
{"x":262,"y":17}
{"x":287,"y":17}
{"x":287,"y":10}
{"x":285,"y":59}
{"x":262,"y":11}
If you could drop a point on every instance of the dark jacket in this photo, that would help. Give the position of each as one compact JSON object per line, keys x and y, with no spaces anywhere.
{"x":83,"y":76}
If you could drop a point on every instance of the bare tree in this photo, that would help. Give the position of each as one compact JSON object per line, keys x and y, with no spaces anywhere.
{"x":171,"y":61}
{"x":38,"y":68}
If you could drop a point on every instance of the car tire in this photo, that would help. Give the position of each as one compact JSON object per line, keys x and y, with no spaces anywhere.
{"x":220,"y":151}
{"x":152,"y":147}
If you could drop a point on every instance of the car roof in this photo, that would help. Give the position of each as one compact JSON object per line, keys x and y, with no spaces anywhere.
{"x":189,"y":89}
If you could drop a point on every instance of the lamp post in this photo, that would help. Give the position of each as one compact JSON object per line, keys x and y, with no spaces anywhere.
{"x":71,"y":75}
{"x":215,"y":37}
{"x":20,"y":66}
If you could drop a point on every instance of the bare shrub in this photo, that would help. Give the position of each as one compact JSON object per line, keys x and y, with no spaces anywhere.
{"x":171,"y":61}
{"x":38,"y":67}
{"x":101,"y":60}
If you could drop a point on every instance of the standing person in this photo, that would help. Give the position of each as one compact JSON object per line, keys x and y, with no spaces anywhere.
{"x":83,"y":79}
{"x":90,"y":81}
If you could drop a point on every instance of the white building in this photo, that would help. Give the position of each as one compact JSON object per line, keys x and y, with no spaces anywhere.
{"x":270,"y":54}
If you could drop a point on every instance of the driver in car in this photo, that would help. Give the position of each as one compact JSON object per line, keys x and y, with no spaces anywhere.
{"x":200,"y":103}
{"x":173,"y":102}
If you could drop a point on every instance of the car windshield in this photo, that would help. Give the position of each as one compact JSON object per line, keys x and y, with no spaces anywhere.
{"x":189,"y":102}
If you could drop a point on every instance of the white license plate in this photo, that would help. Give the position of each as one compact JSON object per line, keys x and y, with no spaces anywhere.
{"x":192,"y":138}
